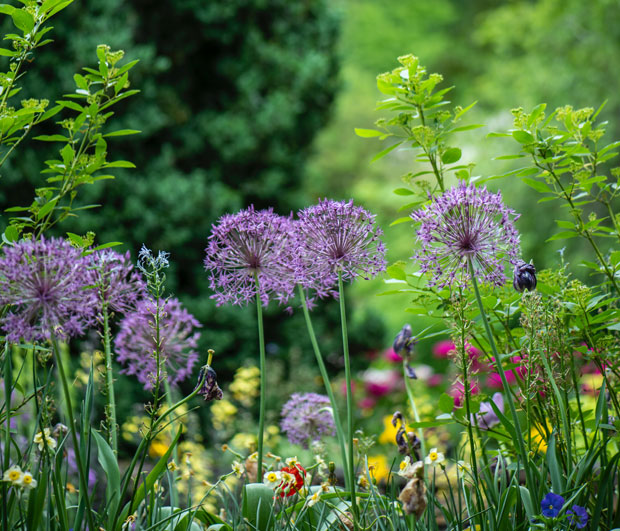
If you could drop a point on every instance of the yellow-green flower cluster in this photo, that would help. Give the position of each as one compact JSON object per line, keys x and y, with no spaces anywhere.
{"x":246,"y":384}
{"x":18,"y":478}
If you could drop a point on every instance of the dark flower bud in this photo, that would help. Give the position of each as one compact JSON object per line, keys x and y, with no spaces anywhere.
{"x":404,"y":342}
{"x":410,"y":372}
{"x":524,"y":276}
{"x":209,"y":388}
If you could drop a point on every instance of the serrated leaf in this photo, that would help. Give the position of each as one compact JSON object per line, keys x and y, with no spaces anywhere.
{"x":451,"y":155}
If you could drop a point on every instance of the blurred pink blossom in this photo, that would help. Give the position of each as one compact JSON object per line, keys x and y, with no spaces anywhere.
{"x":392,"y":356}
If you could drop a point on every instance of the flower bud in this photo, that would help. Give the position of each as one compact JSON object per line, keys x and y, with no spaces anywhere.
{"x":524,"y":276}
{"x":209,"y":389}
{"x":403,"y":343}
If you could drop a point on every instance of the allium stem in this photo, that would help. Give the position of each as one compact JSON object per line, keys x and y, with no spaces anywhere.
{"x":173,"y":485}
{"x":328,"y":388}
{"x":347,"y":375}
{"x":73,"y":429}
{"x":263,"y":379}
{"x":8,"y":382}
{"x":502,"y":375}
{"x":111,"y":409}
{"x":414,"y":409}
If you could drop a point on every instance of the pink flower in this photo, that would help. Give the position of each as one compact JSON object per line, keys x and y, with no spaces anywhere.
{"x":392,"y":356}
{"x":367,"y":402}
{"x":434,"y":380}
{"x":457,"y":391}
{"x":379,"y":382}
{"x":443,"y":348}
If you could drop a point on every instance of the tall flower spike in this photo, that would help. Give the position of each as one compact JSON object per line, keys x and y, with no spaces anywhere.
{"x":246,"y":244}
{"x":464,"y":223}
{"x":46,"y":284}
{"x":116,"y":280}
{"x":307,"y":417}
{"x":136,"y":346}
{"x":337,"y":236}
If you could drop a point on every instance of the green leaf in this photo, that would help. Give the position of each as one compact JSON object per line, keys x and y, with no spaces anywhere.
{"x":108,"y":462}
{"x":23,"y":20}
{"x":11,"y":233}
{"x":123,"y":132}
{"x":76,"y":239}
{"x":67,"y":153}
{"x":7,"y":53}
{"x":107,"y":245}
{"x":539,"y":186}
{"x":368,"y":133}
{"x":451,"y":155}
{"x":564,"y":235}
{"x":6,"y":9}
{"x":400,"y":220}
{"x":430,"y":423}
{"x":403,"y":191}
{"x":46,"y":209}
{"x":527,"y":502}
{"x":257,"y":506}
{"x":120,"y":164}
{"x":466,"y":128}
{"x":383,"y":153}
{"x":523,"y":137}
{"x":52,"y":138}
{"x":446,"y":403}
{"x":536,"y":112}
{"x":396,"y":272}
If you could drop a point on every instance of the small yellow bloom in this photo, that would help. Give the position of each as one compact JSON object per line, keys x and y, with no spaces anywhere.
{"x":378,"y":466}
{"x":27,"y":481}
{"x":314,"y":498}
{"x":237,"y":468}
{"x":463,"y":466}
{"x":157,"y":448}
{"x":292,"y":461}
{"x":272,"y":479}
{"x":13,"y":474}
{"x":43,"y":438}
{"x":363,"y":482}
{"x":71,"y":488}
{"x":172,"y":466}
{"x":434,"y":457}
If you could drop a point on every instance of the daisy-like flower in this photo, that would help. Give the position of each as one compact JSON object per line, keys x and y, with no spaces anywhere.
{"x":27,"y":481}
{"x":248,"y":245}
{"x":312,"y":500}
{"x":116,"y":281}
{"x":43,"y":438}
{"x":13,"y":475}
{"x":337,"y":236}
{"x":463,"y":467}
{"x":307,"y":417}
{"x":466,"y":223}
{"x":237,"y":468}
{"x":272,"y":479}
{"x":434,"y":457}
{"x":135,"y":343}
{"x":46,"y":284}
{"x":405,"y":467}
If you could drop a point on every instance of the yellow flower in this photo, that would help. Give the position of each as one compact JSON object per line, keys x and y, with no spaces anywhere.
{"x":244,"y":441}
{"x":314,"y":498}
{"x":158,"y":448}
{"x":27,"y":481}
{"x":389,"y":432}
{"x":13,"y":474}
{"x":43,"y":439}
{"x":272,"y":479}
{"x":463,"y":467}
{"x":237,"y":468}
{"x":246,"y":384}
{"x":223,"y":413}
{"x":172,"y":466}
{"x":378,"y":466}
{"x":434,"y":457}
{"x":539,"y":438}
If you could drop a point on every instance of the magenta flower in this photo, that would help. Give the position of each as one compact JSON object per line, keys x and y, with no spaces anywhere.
{"x":248,"y":244}
{"x":116,"y":280}
{"x":466,"y":223}
{"x":337,"y":236}
{"x":307,"y":417}
{"x":178,"y":340}
{"x":46,"y":285}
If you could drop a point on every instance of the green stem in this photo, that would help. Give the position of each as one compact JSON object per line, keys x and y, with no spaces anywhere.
{"x":347,"y":374}
{"x":414,"y":409}
{"x":112,"y":427}
{"x":502,"y":375}
{"x":73,"y":429}
{"x":174,"y":498}
{"x":328,"y":387}
{"x":263,"y":379}
{"x":8,"y":377}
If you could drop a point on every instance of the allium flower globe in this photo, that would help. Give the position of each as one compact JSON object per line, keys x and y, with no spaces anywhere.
{"x":248,"y":244}
{"x":337,"y":236}
{"x":46,"y":284}
{"x":466,"y":223}
{"x":116,"y":280}
{"x":307,"y":417}
{"x":135,"y":342}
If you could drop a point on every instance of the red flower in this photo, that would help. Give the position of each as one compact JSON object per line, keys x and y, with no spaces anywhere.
{"x":292,"y":480}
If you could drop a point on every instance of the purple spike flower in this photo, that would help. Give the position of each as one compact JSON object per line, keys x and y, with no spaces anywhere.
{"x":116,"y":280}
{"x":246,"y":244}
{"x":307,"y":417}
{"x":464,"y":223}
{"x":47,"y":285}
{"x":136,"y":345}
{"x":337,"y":236}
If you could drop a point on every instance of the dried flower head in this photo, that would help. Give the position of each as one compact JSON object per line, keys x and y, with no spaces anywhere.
{"x":466,"y":223}
{"x":47,"y":287}
{"x":307,"y":417}
{"x":337,"y":236}
{"x":118,"y":284}
{"x":248,"y":245}
{"x":210,"y":390}
{"x":178,"y":340}
{"x":524,"y":277}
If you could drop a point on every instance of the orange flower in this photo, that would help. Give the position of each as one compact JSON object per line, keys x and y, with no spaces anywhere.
{"x":292,"y":480}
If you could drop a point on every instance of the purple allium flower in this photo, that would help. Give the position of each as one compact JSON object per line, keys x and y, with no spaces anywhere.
{"x":464,"y":223}
{"x":246,"y":244}
{"x":307,"y":417}
{"x":524,"y":276}
{"x":116,"y":281}
{"x":47,"y":285}
{"x":487,"y":418}
{"x":136,"y":345}
{"x":551,"y":505}
{"x":337,"y":236}
{"x":578,"y":516}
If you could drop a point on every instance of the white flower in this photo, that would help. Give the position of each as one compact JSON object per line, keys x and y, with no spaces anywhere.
{"x":237,"y":468}
{"x":292,"y":461}
{"x":434,"y":457}
{"x":43,"y":439}
{"x":27,"y":481}
{"x":314,"y":498}
{"x":406,"y":468}
{"x":13,"y":474}
{"x":272,"y":479}
{"x":463,"y":467}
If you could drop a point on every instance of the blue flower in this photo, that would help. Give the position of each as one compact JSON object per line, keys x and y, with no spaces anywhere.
{"x":577,"y":515}
{"x":551,"y":505}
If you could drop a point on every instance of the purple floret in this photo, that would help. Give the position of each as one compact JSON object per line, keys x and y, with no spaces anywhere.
{"x":307,"y":417}
{"x":464,"y":223}
{"x":551,"y":505}
{"x":46,"y":284}
{"x":136,"y":345}
{"x":337,"y":236}
{"x":578,"y":516}
{"x":116,"y":280}
{"x":248,"y":244}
